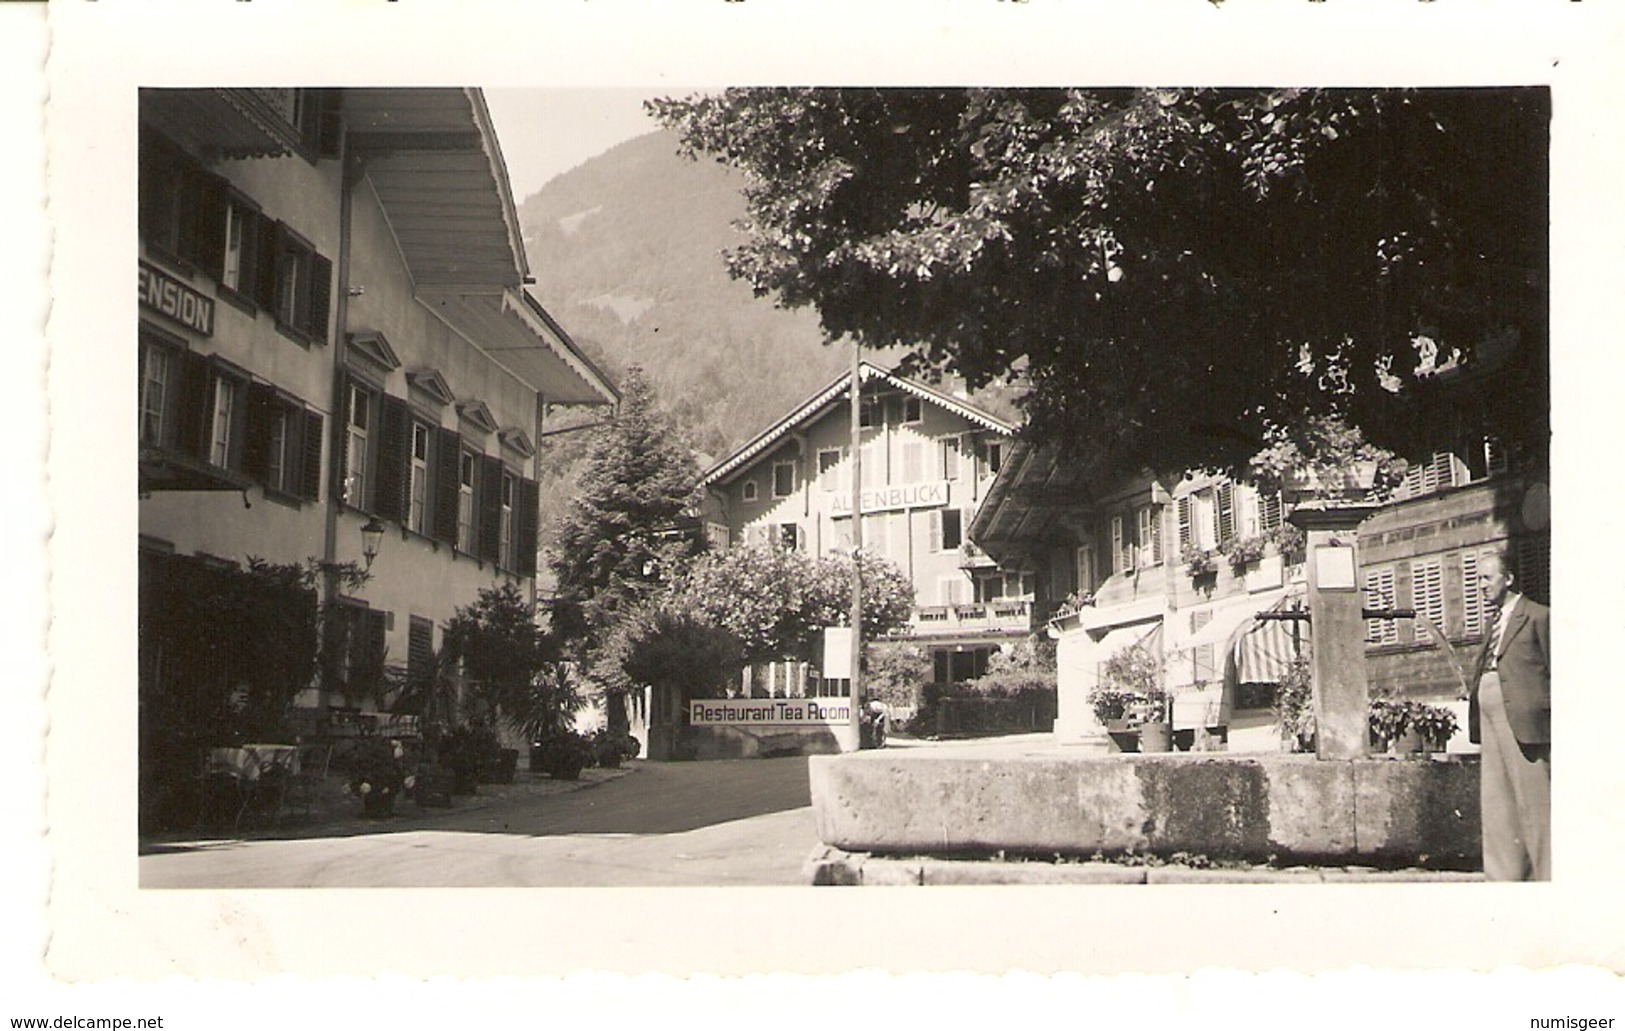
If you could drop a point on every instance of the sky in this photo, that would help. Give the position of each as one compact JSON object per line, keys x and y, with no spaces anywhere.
{"x":546,"y":132}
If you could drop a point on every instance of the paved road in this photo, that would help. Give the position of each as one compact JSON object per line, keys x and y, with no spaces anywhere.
{"x":747,"y":821}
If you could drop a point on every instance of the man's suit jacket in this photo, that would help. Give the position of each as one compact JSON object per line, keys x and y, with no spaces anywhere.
{"x":1525,"y":667}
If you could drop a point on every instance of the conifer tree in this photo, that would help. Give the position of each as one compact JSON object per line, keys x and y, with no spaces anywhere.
{"x":620,"y":540}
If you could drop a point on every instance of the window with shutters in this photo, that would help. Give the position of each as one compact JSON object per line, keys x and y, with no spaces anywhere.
{"x":157,"y":401}
{"x":239,"y":229}
{"x":172,"y":190}
{"x":1120,"y":547}
{"x":465,"y":502}
{"x":302,"y":287}
{"x":419,"y":649}
{"x":951,"y":533}
{"x":505,"y":539}
{"x":1535,"y":566}
{"x":356,"y":639}
{"x":360,"y":424}
{"x":1474,"y":613}
{"x":787,"y":536}
{"x":1083,"y":560}
{"x":828,"y":460}
{"x":1148,"y":534}
{"x":1224,"y":503}
{"x":784,"y":479}
{"x":1379,"y":594}
{"x":417,"y":512}
{"x":1269,"y":510}
{"x":1427,"y":597}
{"x":283,"y":447}
{"x":228,"y":419}
{"x":950,"y":458}
{"x":1434,"y":474}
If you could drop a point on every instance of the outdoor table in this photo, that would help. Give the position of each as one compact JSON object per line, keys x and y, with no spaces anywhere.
{"x":248,"y":762}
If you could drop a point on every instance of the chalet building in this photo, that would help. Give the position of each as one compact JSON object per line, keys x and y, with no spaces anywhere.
{"x":927,"y":461}
{"x":337,"y":354}
{"x":1184,"y":568}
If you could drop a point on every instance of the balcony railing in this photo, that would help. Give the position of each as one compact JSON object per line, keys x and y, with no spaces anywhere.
{"x":988,"y":615}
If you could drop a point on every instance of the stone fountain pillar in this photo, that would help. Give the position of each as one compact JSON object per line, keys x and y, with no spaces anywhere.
{"x":1336,"y":605}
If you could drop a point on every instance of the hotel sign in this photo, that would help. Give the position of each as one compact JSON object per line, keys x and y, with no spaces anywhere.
{"x":769,"y":712}
{"x":888,"y":499}
{"x":167,"y":295}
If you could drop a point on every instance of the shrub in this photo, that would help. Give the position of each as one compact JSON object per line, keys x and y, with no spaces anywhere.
{"x":613,"y":747}
{"x":376,"y":776}
{"x":563,"y":755}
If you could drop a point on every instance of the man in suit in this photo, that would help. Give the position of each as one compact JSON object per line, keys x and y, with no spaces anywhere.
{"x":1509,"y":714}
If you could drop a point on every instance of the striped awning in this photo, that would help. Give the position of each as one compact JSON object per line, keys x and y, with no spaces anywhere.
{"x":1263,"y":654}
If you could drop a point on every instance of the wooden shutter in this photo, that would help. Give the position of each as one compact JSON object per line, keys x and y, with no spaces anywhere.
{"x":488,"y":509}
{"x":374,"y":627}
{"x":419,"y":648}
{"x":310,"y":482}
{"x":1227,"y":511}
{"x":339,"y":486}
{"x":1186,"y":536}
{"x":934,"y":530}
{"x":321,"y":297}
{"x":211,"y":246}
{"x":1120,"y":561}
{"x":329,"y":121}
{"x":448,"y":450}
{"x":1427,"y":597}
{"x":1269,"y":510}
{"x":192,"y":405}
{"x":524,"y":523}
{"x":394,"y":445}
{"x":267,"y":236}
{"x":262,"y":412}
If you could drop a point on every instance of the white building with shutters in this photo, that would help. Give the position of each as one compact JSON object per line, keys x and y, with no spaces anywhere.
{"x":334,"y":330}
{"x":927,"y":460}
{"x":1183,"y":566}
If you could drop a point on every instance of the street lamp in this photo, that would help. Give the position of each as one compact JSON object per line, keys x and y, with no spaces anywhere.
{"x":372,"y":535}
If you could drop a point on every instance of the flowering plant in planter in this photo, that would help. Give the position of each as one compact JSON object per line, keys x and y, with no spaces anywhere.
{"x":1243,"y":551}
{"x":1435,"y":723}
{"x":376,"y":776}
{"x":1295,"y":705}
{"x":1388,"y":719}
{"x":1110,"y":704}
{"x":1199,"y":562}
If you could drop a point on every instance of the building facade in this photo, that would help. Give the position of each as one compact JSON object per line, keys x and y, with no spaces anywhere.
{"x":335,"y":334}
{"x":1185,"y":568}
{"x":927,"y":460}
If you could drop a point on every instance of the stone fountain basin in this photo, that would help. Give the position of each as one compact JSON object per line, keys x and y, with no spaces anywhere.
{"x":1293,"y":808}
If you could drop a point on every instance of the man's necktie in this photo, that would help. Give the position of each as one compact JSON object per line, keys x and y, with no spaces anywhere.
{"x":1495,"y":637}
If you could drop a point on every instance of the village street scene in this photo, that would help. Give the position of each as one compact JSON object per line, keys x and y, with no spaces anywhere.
{"x":843,"y":487}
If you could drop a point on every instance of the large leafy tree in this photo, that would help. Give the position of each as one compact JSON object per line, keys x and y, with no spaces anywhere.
{"x":773,"y":601}
{"x":1173,"y":273}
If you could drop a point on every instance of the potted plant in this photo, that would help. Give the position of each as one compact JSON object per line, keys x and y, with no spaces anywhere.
{"x":1136,"y":673}
{"x":1111,"y":708}
{"x":376,"y":777}
{"x":1243,"y":552}
{"x":1199,"y":562}
{"x":1295,"y":707}
{"x":1157,"y":729}
{"x":1388,"y":721}
{"x":1434,"y":724}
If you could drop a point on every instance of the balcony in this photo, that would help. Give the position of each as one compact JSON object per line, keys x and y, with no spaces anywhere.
{"x":976,"y":617}
{"x":972,"y":557}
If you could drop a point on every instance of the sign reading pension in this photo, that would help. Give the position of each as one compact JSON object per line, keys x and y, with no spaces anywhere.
{"x":886,"y":499}
{"x":764,"y":712}
{"x":169,"y":296}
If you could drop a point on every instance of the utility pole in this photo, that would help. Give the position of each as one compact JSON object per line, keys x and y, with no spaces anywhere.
{"x":856,"y":693}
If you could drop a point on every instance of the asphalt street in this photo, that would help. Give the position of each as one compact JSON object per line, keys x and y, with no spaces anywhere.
{"x":722,"y":823}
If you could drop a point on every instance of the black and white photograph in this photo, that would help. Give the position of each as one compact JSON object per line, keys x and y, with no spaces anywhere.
{"x":1199,"y":457}
{"x":600,"y":507}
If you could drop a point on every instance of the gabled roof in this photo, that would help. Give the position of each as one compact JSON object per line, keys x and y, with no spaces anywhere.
{"x":813,"y":408}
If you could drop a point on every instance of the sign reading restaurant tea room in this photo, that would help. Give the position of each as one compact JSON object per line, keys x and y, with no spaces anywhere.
{"x":768,"y":712}
{"x":889,"y":499}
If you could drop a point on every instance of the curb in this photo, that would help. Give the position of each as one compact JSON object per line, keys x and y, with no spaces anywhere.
{"x":832,"y":866}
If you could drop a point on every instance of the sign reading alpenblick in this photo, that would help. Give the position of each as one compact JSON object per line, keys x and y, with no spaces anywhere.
{"x":885,"y":499}
{"x":761,"y":712}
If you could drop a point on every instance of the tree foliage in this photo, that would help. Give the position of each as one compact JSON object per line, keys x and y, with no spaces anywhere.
{"x":1173,"y":272}
{"x":773,"y":601}
{"x":615,"y":547}
{"x":666,"y":645}
{"x":516,"y":671}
